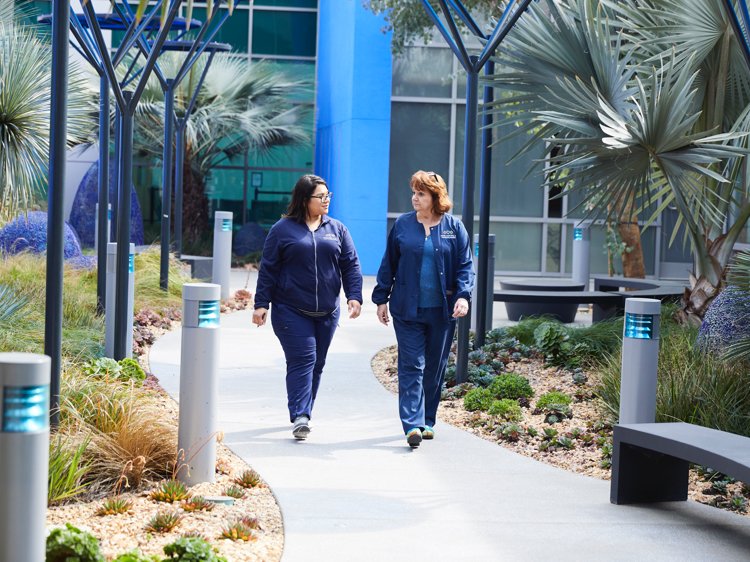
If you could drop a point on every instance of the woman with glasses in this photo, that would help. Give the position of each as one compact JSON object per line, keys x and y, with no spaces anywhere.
{"x":307,"y":256}
{"x":426,"y":277}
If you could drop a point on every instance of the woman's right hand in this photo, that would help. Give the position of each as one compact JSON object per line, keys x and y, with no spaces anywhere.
{"x":259,"y":316}
{"x":383,"y":314}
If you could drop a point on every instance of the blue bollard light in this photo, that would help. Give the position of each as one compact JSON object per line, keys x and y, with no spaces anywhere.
{"x":109,"y":308}
{"x":24,"y":455}
{"x":199,"y":366}
{"x":640,"y":356}
{"x":581,"y":253}
{"x":222,"y":258}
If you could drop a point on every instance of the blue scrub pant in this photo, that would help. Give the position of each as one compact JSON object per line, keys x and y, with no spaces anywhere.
{"x":423,"y":347}
{"x":305,"y":341}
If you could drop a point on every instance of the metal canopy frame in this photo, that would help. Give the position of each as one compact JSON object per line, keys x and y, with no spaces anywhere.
{"x":87,"y":28}
{"x":473,"y":65}
{"x":741,"y":24}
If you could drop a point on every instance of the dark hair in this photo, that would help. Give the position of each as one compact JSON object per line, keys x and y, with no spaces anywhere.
{"x":434,"y":184}
{"x":303,"y":189}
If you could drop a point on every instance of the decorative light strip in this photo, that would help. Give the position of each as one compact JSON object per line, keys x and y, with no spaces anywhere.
{"x":131,"y":263}
{"x":208,"y":314}
{"x":25,"y":409}
{"x":577,"y":234}
{"x":639,"y":326}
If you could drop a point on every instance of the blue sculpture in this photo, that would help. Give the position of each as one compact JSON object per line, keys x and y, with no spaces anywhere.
{"x":83,"y":214}
{"x":29,"y":233}
{"x":726,"y":320}
{"x":248,"y":239}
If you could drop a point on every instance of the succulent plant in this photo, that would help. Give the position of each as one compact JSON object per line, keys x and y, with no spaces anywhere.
{"x":164,"y":521}
{"x":512,"y":386}
{"x":114,"y":506}
{"x":235,"y":492}
{"x":477,"y":399}
{"x":238,"y":531}
{"x":170,"y":491}
{"x":197,"y":503}
{"x":566,"y":443}
{"x":506,"y":409}
{"x":248,"y":479}
{"x":509,"y":432}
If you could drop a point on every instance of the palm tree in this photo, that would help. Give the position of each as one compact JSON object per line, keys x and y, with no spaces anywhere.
{"x":645,"y":101}
{"x":240,"y":107}
{"x":25,"y":77}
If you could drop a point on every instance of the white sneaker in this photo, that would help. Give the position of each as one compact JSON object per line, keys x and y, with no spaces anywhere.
{"x":301,"y":427}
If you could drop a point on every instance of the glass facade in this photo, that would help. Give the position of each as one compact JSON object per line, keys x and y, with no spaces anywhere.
{"x":532,"y":225}
{"x":255,"y":187}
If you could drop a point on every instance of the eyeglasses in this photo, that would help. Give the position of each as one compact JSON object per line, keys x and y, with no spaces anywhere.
{"x":324,"y":197}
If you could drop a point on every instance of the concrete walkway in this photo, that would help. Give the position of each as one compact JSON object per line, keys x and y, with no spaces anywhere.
{"x":355,"y":491}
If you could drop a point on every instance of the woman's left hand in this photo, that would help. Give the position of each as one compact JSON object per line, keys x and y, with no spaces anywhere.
{"x":354,"y":308}
{"x":461,"y":308}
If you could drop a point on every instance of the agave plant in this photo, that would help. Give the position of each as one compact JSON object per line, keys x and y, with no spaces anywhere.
{"x":241,"y":106}
{"x":644,"y":105}
{"x":25,"y":78}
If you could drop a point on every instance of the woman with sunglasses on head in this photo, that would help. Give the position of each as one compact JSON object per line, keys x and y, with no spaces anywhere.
{"x":307,"y":256}
{"x":426,"y":277}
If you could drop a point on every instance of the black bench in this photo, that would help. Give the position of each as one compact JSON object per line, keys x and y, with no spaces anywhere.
{"x":548,"y":298}
{"x":650,"y":460}
{"x":641,"y":288}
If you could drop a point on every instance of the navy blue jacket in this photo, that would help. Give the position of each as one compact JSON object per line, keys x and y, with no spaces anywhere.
{"x":398,"y":276}
{"x":305,"y":269}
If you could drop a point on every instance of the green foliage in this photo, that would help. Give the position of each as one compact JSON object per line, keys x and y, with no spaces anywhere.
{"x":554,"y":405}
{"x":67,"y":469}
{"x":192,"y":549}
{"x":692,"y":386}
{"x":103,"y":367}
{"x":478,"y":399}
{"x":512,"y":386}
{"x":509,"y":432}
{"x":551,"y":339}
{"x":524,"y":330}
{"x":506,"y":409}
{"x":136,"y":556}
{"x":68,"y":544}
{"x":170,"y":491}
{"x":11,"y":304}
{"x":132,"y":370}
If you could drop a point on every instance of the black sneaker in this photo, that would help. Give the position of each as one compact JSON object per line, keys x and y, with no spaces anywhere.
{"x":301,"y":428}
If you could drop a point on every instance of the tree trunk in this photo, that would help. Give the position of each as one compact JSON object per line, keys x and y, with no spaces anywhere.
{"x":195,"y":226}
{"x":632,"y":261}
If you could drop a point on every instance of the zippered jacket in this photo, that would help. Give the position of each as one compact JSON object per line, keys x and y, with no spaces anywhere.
{"x":398,"y":276}
{"x":306,"y":269}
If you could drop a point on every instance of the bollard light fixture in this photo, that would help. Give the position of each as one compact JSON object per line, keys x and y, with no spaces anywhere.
{"x":208,"y":314}
{"x":641,"y":326}
{"x":226,"y":225}
{"x":25,"y":409}
{"x":578,"y":233}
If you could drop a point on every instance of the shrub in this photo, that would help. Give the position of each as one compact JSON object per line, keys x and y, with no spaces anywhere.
{"x":477,"y":399}
{"x":726,"y":321}
{"x":70,"y":543}
{"x":67,"y":472}
{"x":506,"y":409}
{"x":553,"y":397}
{"x":192,"y":549}
{"x":524,"y":330}
{"x":512,"y":386}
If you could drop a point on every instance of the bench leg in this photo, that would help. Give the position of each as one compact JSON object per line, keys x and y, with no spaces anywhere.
{"x":641,"y":476}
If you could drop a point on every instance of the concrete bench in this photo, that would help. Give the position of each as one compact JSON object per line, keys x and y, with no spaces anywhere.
{"x":201,"y":267}
{"x":642,"y":288}
{"x":650,"y":460}
{"x":542,"y":302}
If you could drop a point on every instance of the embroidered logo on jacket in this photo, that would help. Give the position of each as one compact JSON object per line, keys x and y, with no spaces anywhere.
{"x":448,"y":234}
{"x":330,"y":236}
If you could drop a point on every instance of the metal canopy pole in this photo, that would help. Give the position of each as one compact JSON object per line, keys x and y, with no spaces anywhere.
{"x":55,"y":197}
{"x":513,"y":10}
{"x":102,"y":234}
{"x":166,"y":183}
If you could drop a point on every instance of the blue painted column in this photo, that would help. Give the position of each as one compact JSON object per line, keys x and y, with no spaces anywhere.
{"x":352,"y":134}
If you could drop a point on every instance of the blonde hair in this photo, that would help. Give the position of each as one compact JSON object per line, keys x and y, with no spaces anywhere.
{"x":433,"y":183}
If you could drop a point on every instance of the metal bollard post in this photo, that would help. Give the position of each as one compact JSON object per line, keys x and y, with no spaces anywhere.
{"x":489,"y":301}
{"x":640,"y":357}
{"x":199,"y":365}
{"x":109,"y":305}
{"x":581,"y":253}
{"x":222,"y":261}
{"x":24,"y":455}
{"x":96,"y":226}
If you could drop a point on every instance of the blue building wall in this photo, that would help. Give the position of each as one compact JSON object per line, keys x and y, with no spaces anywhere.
{"x":353,"y":121}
